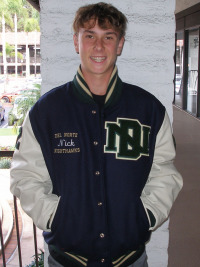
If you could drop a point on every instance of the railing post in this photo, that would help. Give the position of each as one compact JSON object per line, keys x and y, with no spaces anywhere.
{"x":17,"y":229}
{"x":10,"y":154}
{"x":35,"y":244}
{"x":2,"y":244}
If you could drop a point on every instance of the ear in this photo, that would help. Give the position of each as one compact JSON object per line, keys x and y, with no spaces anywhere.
{"x":76,"y":43}
{"x":120,"y":46}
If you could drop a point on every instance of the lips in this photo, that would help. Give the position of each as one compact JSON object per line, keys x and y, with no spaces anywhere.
{"x":98,"y":59}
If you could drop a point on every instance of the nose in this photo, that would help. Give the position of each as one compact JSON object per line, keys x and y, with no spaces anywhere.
{"x":99,"y":44}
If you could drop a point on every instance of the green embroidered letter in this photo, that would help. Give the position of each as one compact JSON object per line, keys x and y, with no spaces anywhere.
{"x":127,"y":138}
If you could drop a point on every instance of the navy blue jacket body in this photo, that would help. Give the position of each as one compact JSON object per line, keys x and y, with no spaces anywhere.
{"x":96,"y":168}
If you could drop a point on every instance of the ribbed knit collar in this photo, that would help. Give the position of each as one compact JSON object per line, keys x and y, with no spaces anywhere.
{"x":113,"y":91}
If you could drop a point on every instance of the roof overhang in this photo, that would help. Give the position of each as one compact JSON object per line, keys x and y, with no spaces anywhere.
{"x":35,"y":4}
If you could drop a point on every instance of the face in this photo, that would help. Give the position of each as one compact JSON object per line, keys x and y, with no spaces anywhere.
{"x":98,"y":49}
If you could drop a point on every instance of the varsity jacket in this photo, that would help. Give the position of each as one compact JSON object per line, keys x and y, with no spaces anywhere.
{"x":96,"y":180}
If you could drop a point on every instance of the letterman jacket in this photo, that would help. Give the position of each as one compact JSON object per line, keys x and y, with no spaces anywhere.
{"x":96,"y":180}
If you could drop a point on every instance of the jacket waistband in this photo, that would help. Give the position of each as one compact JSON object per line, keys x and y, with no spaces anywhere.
{"x":71,"y":260}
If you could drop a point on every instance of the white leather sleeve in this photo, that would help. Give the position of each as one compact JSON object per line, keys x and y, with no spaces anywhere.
{"x":30,"y":180}
{"x":164,"y":182}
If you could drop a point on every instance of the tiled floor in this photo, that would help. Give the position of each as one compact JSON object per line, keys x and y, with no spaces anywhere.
{"x":184,"y":239}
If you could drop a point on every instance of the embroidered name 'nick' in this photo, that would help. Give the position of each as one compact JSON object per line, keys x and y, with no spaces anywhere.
{"x":66,"y":145}
{"x":127,"y":138}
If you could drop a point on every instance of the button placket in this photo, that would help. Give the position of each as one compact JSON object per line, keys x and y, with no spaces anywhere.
{"x":98,"y":173}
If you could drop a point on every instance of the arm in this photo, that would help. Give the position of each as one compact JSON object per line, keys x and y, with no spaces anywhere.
{"x":164,"y":182}
{"x":30,"y":180}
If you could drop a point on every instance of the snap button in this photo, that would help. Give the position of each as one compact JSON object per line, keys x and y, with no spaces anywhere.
{"x":102,"y":235}
{"x":97,"y":173}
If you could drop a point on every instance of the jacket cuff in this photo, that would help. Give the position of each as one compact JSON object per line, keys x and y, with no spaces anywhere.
{"x":152,"y":218}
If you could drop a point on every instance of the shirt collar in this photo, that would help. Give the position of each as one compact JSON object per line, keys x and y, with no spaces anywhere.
{"x":113,"y":91}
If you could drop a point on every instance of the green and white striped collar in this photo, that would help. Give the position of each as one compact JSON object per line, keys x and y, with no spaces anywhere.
{"x":113,"y":91}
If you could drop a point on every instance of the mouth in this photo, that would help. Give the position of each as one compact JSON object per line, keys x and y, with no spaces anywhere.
{"x":98,"y":59}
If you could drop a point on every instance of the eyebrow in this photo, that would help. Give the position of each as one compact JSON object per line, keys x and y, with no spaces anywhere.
{"x":93,"y":32}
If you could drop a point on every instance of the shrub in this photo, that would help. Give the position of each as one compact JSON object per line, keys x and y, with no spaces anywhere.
{"x":5,"y":163}
{"x":40,"y":260}
{"x":11,"y":119}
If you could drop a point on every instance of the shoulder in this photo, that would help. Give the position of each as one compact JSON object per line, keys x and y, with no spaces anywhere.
{"x":140,"y":96}
{"x":139,"y":92}
{"x":143,"y":105}
{"x":53,"y":94}
{"x":53,"y":97}
{"x":50,"y":102}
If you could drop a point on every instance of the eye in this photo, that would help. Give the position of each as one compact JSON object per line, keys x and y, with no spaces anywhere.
{"x":109,"y":38}
{"x":89,"y":36}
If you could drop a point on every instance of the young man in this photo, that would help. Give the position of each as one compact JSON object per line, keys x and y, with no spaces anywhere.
{"x":94,"y":165}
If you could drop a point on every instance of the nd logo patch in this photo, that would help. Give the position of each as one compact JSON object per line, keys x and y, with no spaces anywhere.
{"x":127,"y":138}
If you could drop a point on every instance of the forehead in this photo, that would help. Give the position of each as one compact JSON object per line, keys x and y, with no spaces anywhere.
{"x":93,"y":25}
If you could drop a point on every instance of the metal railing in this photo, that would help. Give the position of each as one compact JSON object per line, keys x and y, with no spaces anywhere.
{"x":3,"y":247}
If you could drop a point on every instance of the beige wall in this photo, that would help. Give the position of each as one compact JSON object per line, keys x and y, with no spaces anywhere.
{"x":184,"y":4}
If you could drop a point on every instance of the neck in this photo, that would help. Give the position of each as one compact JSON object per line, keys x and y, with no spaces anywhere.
{"x":98,"y":84}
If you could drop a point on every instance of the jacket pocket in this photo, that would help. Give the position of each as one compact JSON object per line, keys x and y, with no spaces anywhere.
{"x":55,"y":218}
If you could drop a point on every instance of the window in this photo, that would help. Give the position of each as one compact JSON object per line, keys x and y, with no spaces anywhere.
{"x":187,"y":61}
{"x":179,"y":69}
{"x":192,"y":84}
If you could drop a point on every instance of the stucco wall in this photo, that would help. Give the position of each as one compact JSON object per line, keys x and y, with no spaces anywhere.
{"x":147,"y":61}
{"x":184,"y":4}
